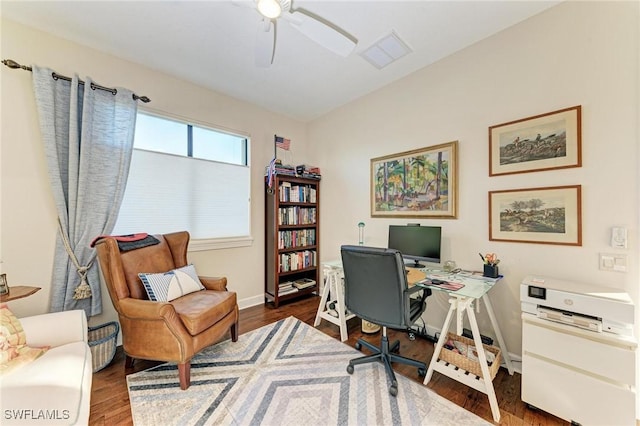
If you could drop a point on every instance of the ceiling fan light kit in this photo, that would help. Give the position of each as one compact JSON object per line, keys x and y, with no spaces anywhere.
{"x":269,"y":8}
{"x":318,"y":29}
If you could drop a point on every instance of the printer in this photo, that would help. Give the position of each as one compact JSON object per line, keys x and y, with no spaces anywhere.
{"x":578,"y":351}
{"x":592,"y":307}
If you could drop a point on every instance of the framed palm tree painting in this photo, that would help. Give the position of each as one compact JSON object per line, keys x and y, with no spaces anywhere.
{"x":418,"y":183}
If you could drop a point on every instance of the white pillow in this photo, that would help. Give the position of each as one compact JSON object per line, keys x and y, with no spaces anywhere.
{"x":165,"y":287}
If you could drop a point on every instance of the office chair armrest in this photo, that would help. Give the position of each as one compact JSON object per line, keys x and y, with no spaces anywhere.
{"x":414,"y":289}
{"x":424,"y":293}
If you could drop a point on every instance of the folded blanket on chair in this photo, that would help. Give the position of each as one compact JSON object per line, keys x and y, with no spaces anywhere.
{"x":130,"y":242}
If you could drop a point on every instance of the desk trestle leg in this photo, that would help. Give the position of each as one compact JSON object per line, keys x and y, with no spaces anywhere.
{"x":334,"y":282}
{"x":484,"y":384}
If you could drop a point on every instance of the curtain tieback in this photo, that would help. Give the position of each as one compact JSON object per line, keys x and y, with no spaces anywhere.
{"x":83,"y":291}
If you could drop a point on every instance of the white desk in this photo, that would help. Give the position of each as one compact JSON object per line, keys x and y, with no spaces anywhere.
{"x":460,"y":301}
{"x":332,"y":272}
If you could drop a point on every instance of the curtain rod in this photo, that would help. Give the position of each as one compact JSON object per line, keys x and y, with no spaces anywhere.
{"x":14,"y":65}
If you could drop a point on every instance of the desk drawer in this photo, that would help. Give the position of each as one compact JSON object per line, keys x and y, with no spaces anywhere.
{"x":595,"y":354}
{"x":573,"y":396}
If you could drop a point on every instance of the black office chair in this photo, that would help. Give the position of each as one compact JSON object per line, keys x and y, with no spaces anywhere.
{"x":376,"y":290}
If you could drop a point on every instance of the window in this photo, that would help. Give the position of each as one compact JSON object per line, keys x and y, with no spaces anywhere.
{"x":187,"y":177}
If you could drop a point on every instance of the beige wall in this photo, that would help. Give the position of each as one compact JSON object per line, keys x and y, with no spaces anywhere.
{"x":28,"y":213}
{"x":578,"y":53}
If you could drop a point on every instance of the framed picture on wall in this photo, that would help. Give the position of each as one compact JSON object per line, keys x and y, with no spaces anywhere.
{"x":418,"y":183}
{"x":551,"y":215}
{"x":542,"y":142}
{"x":4,"y":286}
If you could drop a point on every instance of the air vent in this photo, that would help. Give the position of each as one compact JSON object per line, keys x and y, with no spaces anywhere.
{"x":386,"y":50}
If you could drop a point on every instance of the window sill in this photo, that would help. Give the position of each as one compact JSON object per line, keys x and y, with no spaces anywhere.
{"x":220,"y":243}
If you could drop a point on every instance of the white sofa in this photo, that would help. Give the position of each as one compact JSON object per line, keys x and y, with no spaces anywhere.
{"x":55,"y":389}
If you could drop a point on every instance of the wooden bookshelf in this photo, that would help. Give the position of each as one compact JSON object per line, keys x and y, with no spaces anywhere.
{"x":292,"y":238}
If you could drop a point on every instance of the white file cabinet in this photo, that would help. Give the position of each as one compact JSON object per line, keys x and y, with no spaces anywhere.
{"x":578,"y":375}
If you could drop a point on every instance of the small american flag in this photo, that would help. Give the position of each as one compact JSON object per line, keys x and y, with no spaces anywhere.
{"x":271,"y":171}
{"x":283,"y":143}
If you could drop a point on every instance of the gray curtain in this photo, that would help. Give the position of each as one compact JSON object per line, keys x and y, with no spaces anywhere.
{"x":88,"y":142}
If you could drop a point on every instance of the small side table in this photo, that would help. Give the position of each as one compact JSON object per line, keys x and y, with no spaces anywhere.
{"x":18,"y":292}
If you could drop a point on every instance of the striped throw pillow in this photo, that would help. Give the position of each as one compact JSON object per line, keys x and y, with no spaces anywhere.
{"x":167,"y":286}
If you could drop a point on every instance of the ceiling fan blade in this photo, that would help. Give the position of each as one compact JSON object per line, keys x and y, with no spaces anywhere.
{"x":323,"y":32}
{"x":244,"y":3}
{"x":265,"y":43}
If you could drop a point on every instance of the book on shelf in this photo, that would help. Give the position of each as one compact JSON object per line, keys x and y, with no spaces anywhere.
{"x":296,"y":238}
{"x":285,"y":285}
{"x":288,"y":192}
{"x":298,"y":260}
{"x":303,"y":283}
{"x":282,"y":292}
{"x":297,"y":215}
{"x":302,"y":170}
{"x":308,"y":171}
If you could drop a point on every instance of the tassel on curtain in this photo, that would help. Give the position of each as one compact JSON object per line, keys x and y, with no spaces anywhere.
{"x":88,"y":142}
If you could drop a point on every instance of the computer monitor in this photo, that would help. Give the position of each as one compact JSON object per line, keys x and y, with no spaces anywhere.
{"x":417,"y":243}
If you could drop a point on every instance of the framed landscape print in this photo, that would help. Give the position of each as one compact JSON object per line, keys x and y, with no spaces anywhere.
{"x":418,"y":183}
{"x":550,"y":215}
{"x":542,"y":142}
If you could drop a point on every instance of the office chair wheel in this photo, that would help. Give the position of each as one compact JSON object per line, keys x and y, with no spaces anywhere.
{"x":358,"y":346}
{"x":422,"y":372}
{"x":350,"y":369}
{"x":393,"y":390}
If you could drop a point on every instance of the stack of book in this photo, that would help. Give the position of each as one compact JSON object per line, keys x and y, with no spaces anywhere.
{"x":303,"y":283}
{"x":286,"y":287}
{"x":308,"y":171}
{"x":285,"y":169}
{"x":281,"y":169}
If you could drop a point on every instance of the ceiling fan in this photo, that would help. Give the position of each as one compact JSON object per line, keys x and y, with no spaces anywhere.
{"x":318,"y":29}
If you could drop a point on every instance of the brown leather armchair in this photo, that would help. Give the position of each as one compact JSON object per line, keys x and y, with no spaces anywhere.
{"x":165,"y":331}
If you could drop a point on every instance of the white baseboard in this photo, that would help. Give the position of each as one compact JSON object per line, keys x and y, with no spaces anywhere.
{"x":250,"y":301}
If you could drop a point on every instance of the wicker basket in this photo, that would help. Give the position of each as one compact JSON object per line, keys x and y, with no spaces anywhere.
{"x":467,"y":364}
{"x":102,"y":342}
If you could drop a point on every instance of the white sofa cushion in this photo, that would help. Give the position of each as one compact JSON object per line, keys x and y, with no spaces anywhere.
{"x":55,"y":329}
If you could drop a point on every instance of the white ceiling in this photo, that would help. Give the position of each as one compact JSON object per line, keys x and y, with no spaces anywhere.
{"x":211,"y":43}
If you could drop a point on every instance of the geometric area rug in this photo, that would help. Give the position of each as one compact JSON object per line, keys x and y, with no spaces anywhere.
{"x":285,"y":373}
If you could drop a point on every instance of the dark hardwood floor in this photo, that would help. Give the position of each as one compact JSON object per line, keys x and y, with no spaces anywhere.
{"x":110,"y":398}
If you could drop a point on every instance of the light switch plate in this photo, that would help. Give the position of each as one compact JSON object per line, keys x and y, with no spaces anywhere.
{"x":613,"y":262}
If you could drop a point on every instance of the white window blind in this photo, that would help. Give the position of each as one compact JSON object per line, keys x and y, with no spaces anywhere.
{"x":168,"y":191}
